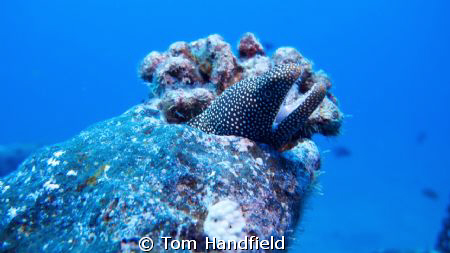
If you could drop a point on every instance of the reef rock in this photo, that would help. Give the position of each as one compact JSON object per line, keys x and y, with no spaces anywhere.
{"x":180,"y":105}
{"x":135,"y":175}
{"x":12,"y":155}
{"x":249,"y":46}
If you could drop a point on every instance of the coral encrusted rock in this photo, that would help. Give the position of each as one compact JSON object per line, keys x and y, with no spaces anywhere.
{"x":135,"y":175}
{"x":12,"y":155}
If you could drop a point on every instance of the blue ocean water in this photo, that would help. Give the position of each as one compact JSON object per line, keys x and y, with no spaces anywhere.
{"x":68,"y":64}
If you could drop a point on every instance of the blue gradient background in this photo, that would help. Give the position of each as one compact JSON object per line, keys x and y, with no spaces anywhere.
{"x":68,"y":64}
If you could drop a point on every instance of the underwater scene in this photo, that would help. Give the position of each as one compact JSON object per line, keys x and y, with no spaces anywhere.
{"x":225,"y":126}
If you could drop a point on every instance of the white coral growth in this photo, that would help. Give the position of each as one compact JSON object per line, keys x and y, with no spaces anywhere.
{"x":225,"y":221}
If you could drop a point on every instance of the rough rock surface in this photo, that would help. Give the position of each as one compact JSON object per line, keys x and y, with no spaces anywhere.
{"x":189,"y":103}
{"x":135,"y":175}
{"x":12,"y":155}
{"x":249,"y":46}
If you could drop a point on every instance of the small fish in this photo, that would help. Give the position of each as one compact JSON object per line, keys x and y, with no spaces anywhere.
{"x":342,"y":151}
{"x":268,"y":46}
{"x":421,"y":137}
{"x":430,"y":193}
{"x":179,"y":114}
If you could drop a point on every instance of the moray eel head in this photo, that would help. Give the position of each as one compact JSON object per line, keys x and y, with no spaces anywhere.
{"x":250,"y":107}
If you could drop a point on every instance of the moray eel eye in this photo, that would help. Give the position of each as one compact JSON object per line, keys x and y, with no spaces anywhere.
{"x":261,"y":124}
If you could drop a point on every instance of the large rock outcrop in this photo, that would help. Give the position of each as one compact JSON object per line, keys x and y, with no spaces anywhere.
{"x":135,"y":175}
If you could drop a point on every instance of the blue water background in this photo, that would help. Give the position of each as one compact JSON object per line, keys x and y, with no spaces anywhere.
{"x":67,"y":64}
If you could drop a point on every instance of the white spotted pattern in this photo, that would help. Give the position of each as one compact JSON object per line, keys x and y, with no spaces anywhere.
{"x":249,"y":107}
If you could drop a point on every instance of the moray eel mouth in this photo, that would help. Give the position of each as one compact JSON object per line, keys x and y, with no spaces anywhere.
{"x":255,"y":108}
{"x":291,"y":101}
{"x":295,"y":110}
